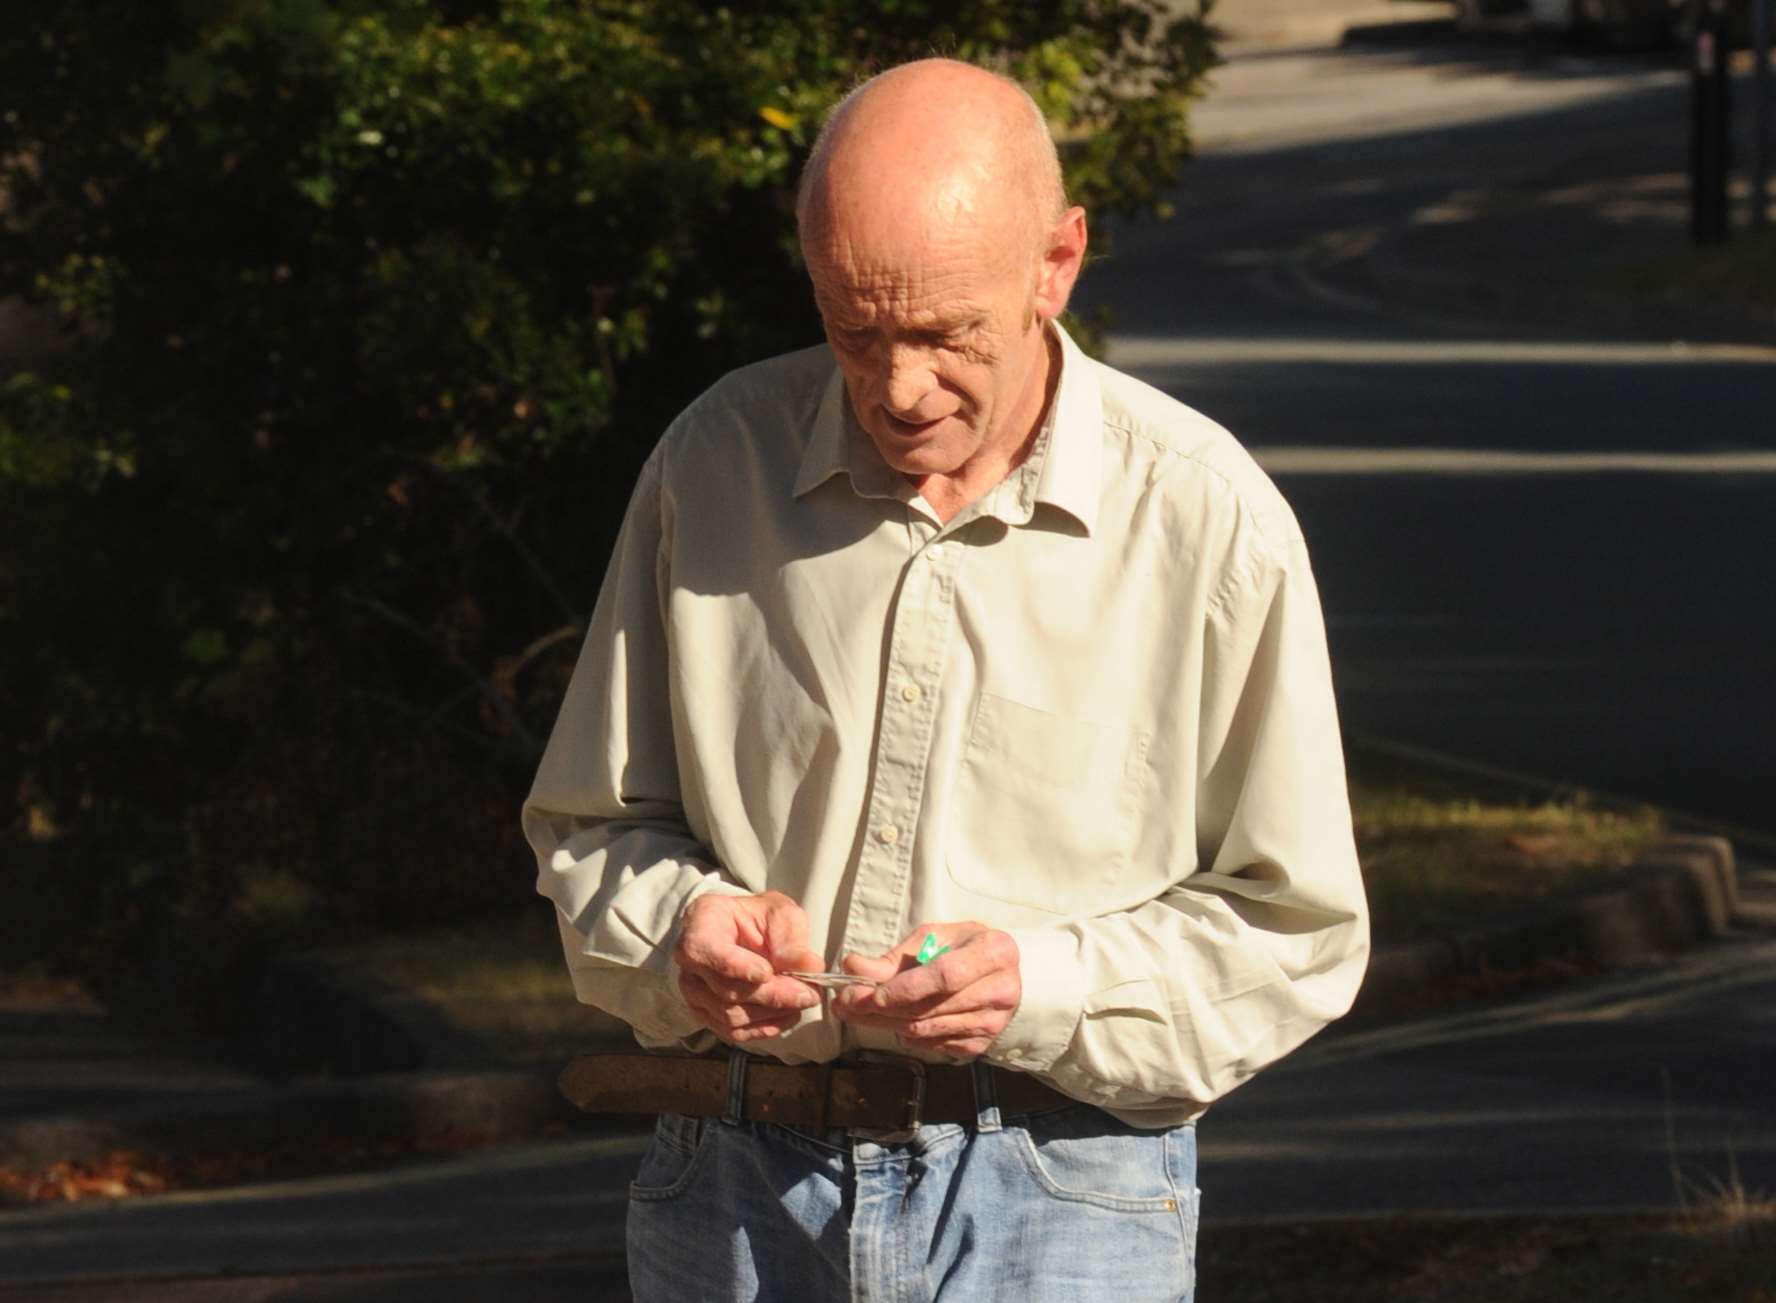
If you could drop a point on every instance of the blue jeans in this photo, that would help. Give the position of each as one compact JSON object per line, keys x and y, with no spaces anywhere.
{"x":1066,"y":1206}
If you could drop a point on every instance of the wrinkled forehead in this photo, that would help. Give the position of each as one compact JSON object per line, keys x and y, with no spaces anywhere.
{"x":951,"y":235}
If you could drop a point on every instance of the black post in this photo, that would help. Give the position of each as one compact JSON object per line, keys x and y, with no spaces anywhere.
{"x":1709,"y":124}
{"x":1760,"y":137}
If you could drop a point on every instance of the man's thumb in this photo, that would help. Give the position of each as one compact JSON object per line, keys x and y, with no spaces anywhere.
{"x":880,"y":968}
{"x":796,"y":957}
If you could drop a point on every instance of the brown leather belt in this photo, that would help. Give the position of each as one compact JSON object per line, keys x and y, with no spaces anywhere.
{"x":874,"y":1093}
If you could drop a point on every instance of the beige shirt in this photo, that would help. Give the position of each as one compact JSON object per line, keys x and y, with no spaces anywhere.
{"x":1093,"y":710}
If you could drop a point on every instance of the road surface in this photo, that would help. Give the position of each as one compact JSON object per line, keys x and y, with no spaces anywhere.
{"x":1548,"y":552}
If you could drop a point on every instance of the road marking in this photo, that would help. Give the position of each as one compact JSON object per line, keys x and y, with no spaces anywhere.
{"x":1285,"y":460}
{"x":1149,"y":352}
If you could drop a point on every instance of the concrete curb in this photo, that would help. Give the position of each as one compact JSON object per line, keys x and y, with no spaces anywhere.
{"x":1255,"y":27}
{"x":1680,"y":891}
{"x":1379,"y":283}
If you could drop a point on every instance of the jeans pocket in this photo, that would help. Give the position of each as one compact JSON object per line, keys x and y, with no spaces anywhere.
{"x":671,"y":1159}
{"x":1082,"y":1155}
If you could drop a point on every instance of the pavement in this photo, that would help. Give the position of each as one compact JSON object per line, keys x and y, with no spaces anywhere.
{"x":1493,"y":236}
{"x":1586,"y":507}
{"x":1249,"y":26}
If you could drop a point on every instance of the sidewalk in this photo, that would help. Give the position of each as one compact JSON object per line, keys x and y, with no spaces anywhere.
{"x":1493,"y":235}
{"x":1270,"y":24}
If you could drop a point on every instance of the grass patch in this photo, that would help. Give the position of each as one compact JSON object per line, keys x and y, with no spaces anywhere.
{"x":500,"y":980}
{"x":1739,"y":274}
{"x":1489,"y":1260}
{"x":1440,"y":852}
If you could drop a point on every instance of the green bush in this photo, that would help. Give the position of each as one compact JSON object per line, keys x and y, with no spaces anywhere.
{"x":364,"y":313}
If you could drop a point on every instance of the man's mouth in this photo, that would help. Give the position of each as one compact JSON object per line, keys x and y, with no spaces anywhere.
{"x":911,"y":429}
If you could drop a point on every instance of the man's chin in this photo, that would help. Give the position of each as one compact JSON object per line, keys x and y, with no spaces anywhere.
{"x":920,"y":461}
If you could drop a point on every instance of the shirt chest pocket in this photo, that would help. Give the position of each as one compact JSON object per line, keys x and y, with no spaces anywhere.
{"x":1044,"y":811}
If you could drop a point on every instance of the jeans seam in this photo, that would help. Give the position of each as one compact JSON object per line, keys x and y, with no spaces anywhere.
{"x":639,"y":1193}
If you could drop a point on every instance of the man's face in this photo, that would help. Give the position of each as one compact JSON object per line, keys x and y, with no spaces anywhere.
{"x":938,"y":339}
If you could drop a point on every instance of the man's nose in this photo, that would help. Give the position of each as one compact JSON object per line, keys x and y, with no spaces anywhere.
{"x":910,"y":377}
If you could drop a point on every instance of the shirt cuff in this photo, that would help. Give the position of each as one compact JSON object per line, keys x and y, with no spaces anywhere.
{"x":1053,"y":1001}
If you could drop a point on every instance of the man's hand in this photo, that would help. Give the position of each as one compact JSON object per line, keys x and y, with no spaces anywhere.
{"x":955,"y":1005}
{"x":729,"y":953}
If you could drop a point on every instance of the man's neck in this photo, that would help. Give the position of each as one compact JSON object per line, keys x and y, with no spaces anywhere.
{"x":949,"y":495}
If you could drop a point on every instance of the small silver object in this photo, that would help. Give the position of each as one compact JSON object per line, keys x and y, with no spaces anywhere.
{"x":832,"y":981}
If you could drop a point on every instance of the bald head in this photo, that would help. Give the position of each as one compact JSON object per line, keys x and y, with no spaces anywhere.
{"x":937,"y":141}
{"x":939,"y":248}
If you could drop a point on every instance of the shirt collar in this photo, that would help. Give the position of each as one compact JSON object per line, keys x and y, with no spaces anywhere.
{"x":1062,"y":470}
{"x":1068,"y":475}
{"x":838,"y":443}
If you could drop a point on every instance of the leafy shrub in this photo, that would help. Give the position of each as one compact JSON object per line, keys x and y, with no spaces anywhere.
{"x":357,"y":318}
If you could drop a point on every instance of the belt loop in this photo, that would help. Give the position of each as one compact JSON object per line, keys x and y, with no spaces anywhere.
{"x":735,"y":1112}
{"x":986,"y":1097}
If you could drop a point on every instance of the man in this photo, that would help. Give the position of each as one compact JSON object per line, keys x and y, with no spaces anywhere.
{"x":951,"y":657}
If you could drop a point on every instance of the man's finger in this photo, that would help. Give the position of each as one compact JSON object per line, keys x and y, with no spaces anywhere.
{"x":860,"y":1006}
{"x":978,"y":1024}
{"x":973,"y":953}
{"x":726,"y":1019}
{"x":759,"y":1031}
{"x":786,"y":935}
{"x":961,"y":1051}
{"x":876,"y":967}
{"x":713,"y":957}
{"x":803,"y":960}
{"x":785,"y":993}
{"x":864,"y":1013}
{"x":777,"y":993}
{"x":941,"y":979}
{"x":900,"y":960}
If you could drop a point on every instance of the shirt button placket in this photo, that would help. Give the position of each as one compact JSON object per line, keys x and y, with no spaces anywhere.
{"x":919,"y":622}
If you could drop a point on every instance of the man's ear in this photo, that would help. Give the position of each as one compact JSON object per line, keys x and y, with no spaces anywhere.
{"x":1061,"y":260}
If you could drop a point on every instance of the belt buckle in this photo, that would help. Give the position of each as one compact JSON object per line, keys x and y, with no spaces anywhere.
{"x":914,"y":1102}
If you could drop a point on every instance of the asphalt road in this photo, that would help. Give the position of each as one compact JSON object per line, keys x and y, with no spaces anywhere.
{"x":1639,"y":1091}
{"x":1549,"y":552}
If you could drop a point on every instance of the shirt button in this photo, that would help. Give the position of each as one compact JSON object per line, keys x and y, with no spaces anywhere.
{"x":888,"y":834}
{"x":911,"y":692}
